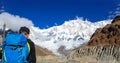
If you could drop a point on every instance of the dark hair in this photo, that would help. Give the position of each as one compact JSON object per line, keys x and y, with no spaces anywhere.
{"x":24,"y":29}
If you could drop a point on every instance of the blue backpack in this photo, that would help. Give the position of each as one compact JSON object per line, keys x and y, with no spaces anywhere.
{"x":15,"y":49}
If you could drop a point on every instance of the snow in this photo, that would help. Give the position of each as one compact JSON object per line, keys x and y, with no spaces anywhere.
{"x":71,"y":34}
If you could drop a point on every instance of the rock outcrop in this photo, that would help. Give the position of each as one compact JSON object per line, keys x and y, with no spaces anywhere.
{"x":109,"y":35}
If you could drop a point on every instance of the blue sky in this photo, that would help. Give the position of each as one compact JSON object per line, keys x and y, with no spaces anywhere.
{"x":45,"y":13}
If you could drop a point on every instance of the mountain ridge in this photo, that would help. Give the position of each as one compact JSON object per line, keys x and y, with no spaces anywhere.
{"x":71,"y":34}
{"x":103,"y":46}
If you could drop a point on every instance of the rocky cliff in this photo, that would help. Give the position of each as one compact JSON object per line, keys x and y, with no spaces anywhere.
{"x":109,"y":35}
{"x":103,"y":47}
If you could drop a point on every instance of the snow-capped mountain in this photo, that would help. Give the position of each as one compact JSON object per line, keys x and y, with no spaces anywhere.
{"x":58,"y":39}
{"x":71,"y":34}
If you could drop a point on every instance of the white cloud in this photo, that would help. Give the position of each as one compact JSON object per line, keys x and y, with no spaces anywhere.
{"x":2,"y":10}
{"x":114,"y":12}
{"x":118,"y":8}
{"x":14,"y":22}
{"x":118,"y":4}
{"x":117,"y":12}
{"x":110,"y":12}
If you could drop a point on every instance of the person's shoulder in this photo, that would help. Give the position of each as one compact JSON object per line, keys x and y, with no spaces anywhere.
{"x":29,"y":41}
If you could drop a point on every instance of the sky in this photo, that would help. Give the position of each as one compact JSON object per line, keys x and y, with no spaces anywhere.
{"x":48,"y":13}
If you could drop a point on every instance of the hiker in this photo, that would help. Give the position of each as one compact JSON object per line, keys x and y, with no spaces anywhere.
{"x":32,"y":56}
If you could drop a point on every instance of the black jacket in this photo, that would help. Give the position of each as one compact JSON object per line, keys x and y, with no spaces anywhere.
{"x":32,"y":56}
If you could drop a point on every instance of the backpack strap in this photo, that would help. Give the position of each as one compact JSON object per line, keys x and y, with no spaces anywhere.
{"x":28,"y":47}
{"x":4,"y":56}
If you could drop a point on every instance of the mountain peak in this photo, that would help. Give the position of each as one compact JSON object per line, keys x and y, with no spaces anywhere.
{"x":71,"y":34}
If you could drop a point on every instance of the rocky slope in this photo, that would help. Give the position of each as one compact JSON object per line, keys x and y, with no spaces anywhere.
{"x":103,"y":47}
{"x":43,"y":55}
{"x":109,"y":35}
{"x":96,"y":54}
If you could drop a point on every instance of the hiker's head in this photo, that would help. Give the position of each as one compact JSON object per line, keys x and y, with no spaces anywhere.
{"x":25,"y":31}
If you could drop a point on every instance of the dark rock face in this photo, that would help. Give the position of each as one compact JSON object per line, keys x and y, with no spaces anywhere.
{"x":109,"y":35}
{"x":116,"y":19}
